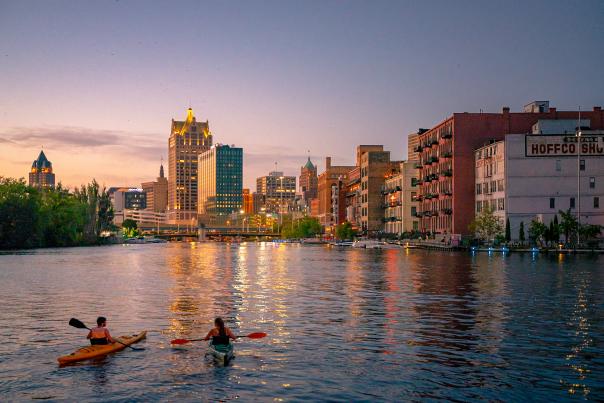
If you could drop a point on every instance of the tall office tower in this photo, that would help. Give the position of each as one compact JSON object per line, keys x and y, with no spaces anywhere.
{"x":279,"y":191}
{"x":220,"y":183}
{"x":309,"y":182}
{"x":157,"y":192}
{"x":41,"y":175}
{"x":188,"y":139}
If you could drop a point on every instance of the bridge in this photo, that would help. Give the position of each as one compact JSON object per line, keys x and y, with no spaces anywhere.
{"x":193,"y":233}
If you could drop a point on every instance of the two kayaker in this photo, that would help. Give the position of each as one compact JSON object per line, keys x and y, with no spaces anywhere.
{"x":100,"y":334}
{"x":220,"y":334}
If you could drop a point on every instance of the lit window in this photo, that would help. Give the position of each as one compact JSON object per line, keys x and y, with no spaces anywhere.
{"x":592,"y":182}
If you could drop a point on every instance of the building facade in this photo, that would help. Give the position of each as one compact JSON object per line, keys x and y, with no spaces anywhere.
{"x":41,"y":175}
{"x":278,"y":191}
{"x":333,"y":175}
{"x":309,"y":182}
{"x":157,"y":192}
{"x":400,"y":200}
{"x":375,"y":167}
{"x":446,"y":163}
{"x":188,"y":139}
{"x":533,"y":176}
{"x":220,"y":182}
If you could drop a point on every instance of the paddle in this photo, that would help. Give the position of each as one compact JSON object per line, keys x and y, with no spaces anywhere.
{"x":257,"y":335}
{"x":80,"y":325}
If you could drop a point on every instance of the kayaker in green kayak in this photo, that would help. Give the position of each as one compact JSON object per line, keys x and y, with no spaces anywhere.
{"x":100,"y":334}
{"x":220,"y":334}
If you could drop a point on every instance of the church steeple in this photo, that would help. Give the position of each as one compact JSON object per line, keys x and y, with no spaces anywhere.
{"x":161,"y":170}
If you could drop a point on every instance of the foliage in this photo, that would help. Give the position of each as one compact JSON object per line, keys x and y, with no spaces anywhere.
{"x":508,"y":233}
{"x":19,"y":214}
{"x":306,"y":227}
{"x":537,"y":230}
{"x":31,"y":217}
{"x":129,"y":224}
{"x":568,"y":225}
{"x":486,"y":225}
{"x":521,"y":237}
{"x":344,"y":231}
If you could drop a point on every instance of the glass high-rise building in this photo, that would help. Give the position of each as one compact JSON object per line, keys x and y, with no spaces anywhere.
{"x":220,"y":182}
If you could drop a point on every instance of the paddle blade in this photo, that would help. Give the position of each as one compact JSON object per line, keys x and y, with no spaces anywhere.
{"x":257,"y":335}
{"x":76,"y":323}
{"x":180,"y":341}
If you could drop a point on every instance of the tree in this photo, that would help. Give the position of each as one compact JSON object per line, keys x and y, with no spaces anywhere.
{"x":306,"y":227}
{"x":537,"y":231}
{"x":486,"y":225}
{"x":568,"y":225}
{"x":508,"y":233}
{"x":19,"y":214}
{"x":556,"y":233}
{"x":521,"y":232}
{"x":344,"y":231}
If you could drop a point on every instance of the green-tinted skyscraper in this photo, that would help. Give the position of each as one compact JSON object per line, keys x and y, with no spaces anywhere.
{"x":220,"y":185}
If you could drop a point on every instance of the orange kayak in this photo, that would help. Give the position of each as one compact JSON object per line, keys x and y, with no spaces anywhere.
{"x":86,"y":353}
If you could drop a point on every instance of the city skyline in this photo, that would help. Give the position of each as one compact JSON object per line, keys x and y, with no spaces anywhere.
{"x":275,"y":79}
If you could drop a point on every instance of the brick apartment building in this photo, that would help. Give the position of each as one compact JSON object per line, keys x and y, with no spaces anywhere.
{"x":446,"y":167}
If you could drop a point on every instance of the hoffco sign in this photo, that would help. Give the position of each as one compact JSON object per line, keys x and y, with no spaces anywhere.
{"x":545,"y":145}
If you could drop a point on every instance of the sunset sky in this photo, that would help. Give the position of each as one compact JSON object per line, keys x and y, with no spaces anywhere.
{"x":97,"y":83}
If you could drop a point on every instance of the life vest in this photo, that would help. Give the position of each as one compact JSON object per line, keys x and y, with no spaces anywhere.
{"x":222,"y":338}
{"x":98,"y":335}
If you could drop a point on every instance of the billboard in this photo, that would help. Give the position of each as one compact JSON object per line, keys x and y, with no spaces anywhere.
{"x":563,"y":145}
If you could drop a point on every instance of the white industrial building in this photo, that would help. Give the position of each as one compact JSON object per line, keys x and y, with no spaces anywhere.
{"x":533,"y":176}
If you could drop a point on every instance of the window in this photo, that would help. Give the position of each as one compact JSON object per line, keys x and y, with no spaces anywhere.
{"x":478,"y":207}
{"x":413,"y":211}
{"x":592,"y":182}
{"x":572,"y":202}
{"x":493,"y":186}
{"x":485,"y":187}
{"x":500,"y":185}
{"x":500,"y":204}
{"x":478,"y":188}
{"x":552,"y":202}
{"x":582,"y":165}
{"x":596,"y":202}
{"x":558,"y":165}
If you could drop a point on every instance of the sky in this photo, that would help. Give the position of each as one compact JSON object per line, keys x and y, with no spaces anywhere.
{"x":96,"y":83}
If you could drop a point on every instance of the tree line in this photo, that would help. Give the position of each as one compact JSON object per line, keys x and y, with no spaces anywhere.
{"x":32,"y":218}
{"x":488,"y":227}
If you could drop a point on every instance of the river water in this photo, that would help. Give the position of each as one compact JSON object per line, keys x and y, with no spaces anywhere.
{"x":342,"y":324}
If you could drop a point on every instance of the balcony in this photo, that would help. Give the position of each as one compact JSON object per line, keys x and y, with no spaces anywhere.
{"x":434,"y":142}
{"x":417,"y":165}
{"x":418,"y":148}
{"x":447,"y":193}
{"x":447,"y":211}
{"x":447,"y":173}
{"x":446,"y":155}
{"x":446,"y":135}
{"x":434,"y":159}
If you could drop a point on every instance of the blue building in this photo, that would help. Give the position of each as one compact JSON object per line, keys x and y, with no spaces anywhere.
{"x":220,"y":182}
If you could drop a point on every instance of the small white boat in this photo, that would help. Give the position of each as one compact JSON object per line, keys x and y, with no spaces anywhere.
{"x":222,"y":353}
{"x":368,"y":244}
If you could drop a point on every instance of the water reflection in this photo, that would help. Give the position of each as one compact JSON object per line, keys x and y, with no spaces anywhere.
{"x":343,"y":324}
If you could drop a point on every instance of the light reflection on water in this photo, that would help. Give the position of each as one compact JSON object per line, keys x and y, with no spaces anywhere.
{"x":344,"y":324}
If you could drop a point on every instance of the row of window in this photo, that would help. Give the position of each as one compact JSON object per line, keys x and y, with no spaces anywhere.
{"x":490,"y":187}
{"x":572,"y":202}
{"x":494,"y":205}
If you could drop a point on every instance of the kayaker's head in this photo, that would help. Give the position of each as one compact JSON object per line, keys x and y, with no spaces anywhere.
{"x":101,"y":321}
{"x":219,"y":323}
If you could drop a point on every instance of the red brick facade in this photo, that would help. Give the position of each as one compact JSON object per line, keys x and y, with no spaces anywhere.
{"x":446,"y":161}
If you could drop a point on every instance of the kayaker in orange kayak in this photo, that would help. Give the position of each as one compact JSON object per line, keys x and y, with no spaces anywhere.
{"x":220,"y":334}
{"x":100,"y":334}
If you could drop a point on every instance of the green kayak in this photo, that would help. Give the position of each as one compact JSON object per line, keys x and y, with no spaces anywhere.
{"x":222,"y":352}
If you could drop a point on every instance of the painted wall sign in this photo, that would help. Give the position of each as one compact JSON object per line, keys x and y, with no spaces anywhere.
{"x":542,"y":145}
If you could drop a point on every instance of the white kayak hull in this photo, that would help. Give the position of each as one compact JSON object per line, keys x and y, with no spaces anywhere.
{"x":222,"y":354}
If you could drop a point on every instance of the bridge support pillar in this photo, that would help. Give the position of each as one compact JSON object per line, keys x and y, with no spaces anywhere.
{"x":201,"y":233}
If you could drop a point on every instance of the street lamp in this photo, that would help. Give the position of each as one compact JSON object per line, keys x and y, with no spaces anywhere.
{"x":578,"y":135}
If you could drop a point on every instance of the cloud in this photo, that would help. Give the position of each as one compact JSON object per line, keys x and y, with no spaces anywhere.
{"x":135,"y":145}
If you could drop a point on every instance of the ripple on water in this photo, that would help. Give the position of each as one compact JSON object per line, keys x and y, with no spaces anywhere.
{"x":343,"y":325}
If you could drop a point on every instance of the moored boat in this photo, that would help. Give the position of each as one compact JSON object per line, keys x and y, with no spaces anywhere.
{"x":86,"y":353}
